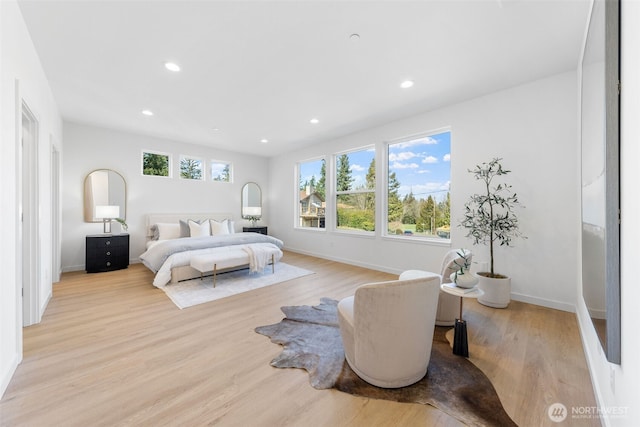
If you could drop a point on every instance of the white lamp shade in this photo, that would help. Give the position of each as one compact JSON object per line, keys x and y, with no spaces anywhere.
{"x":107,"y":211}
{"x":251,"y":211}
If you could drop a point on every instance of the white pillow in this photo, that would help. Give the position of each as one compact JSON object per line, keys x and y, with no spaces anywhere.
{"x":168,"y":231}
{"x":199,"y":230}
{"x":219,"y":228}
{"x":232,"y":226}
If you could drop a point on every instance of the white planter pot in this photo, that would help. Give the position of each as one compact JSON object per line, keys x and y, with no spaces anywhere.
{"x":497,"y":292}
{"x":466,"y":280}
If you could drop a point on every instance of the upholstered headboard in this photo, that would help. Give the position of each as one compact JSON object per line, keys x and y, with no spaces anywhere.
{"x":175,"y":218}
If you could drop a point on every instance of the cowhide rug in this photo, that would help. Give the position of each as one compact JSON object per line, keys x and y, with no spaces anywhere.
{"x":311,"y":340}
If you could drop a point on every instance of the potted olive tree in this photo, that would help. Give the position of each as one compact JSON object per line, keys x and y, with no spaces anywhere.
{"x":490,"y":219}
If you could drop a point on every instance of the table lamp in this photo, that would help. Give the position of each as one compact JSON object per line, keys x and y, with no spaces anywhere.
{"x":107,"y":213}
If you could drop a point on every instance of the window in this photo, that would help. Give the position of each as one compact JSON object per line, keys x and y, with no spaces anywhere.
{"x":311,"y":194}
{"x":355,"y":190}
{"x":156,"y":164}
{"x":418,"y":196}
{"x":191,"y":168}
{"x":221,"y":171}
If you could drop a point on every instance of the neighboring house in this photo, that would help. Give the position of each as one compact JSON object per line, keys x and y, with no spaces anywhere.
{"x":312,"y":208}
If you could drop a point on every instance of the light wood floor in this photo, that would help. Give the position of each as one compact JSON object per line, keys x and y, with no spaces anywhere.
{"x":113,"y":350}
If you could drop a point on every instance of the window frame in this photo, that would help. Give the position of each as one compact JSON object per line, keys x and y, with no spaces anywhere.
{"x":385,"y":189}
{"x":160,"y":153}
{"x":202,"y":167}
{"x":335,"y":193}
{"x":297,"y":217}
{"x":213,"y":162}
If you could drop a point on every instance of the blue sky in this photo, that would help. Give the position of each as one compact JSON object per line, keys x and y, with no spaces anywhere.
{"x":422,"y":165}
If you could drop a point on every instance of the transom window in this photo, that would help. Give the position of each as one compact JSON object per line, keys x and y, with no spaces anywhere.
{"x":156,"y":164}
{"x":221,"y":171}
{"x":191,"y":168}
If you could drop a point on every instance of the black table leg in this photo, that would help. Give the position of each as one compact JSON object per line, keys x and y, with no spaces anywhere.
{"x":460,"y":343}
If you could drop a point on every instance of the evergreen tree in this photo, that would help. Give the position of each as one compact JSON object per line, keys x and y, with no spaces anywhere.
{"x":155,"y":164}
{"x":394,"y":202}
{"x":320,"y":186}
{"x":224,"y":175}
{"x":427,"y":215}
{"x":344,"y":178}
{"x":444,"y":211}
{"x":312,"y":184}
{"x":370,"y":199}
{"x":371,"y":175}
{"x":190,"y":169}
{"x":410,"y":209}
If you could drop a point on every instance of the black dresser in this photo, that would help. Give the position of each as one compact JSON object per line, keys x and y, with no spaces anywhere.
{"x":106,"y":252}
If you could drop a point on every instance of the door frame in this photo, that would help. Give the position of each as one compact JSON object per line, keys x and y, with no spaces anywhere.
{"x":28,"y":250}
{"x":56,"y":266}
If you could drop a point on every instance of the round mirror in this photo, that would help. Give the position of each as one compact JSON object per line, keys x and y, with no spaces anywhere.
{"x":251,"y":201}
{"x":105,"y":191}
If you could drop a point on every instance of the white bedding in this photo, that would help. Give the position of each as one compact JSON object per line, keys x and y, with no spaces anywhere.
{"x":163,"y":256}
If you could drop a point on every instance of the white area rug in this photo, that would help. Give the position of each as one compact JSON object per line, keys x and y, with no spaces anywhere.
{"x":193,"y":292}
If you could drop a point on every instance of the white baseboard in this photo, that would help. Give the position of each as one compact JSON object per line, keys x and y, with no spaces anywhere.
{"x":597,"y":314}
{"x":71,"y":268}
{"x":44,"y":305}
{"x":6,"y":376}
{"x":346,"y":261}
{"x":591,"y":359}
{"x":558,"y":305}
{"x":543,"y":302}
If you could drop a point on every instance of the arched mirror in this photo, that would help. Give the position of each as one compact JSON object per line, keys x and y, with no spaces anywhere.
{"x":251,"y":201}
{"x":106,"y":189}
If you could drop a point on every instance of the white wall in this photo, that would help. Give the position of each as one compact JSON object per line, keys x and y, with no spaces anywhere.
{"x":617,"y":386}
{"x":19,"y":62}
{"x":533,"y":128}
{"x":88,"y":148}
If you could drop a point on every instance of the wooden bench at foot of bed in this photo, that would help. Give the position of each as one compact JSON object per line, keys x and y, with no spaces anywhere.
{"x":230,"y":257}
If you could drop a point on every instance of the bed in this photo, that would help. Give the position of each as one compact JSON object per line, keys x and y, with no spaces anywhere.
{"x":173,"y":239}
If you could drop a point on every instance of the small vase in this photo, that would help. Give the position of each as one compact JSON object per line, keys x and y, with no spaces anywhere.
{"x":466,"y":280}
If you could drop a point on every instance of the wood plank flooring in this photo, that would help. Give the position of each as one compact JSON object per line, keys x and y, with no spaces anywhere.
{"x":112,"y":350}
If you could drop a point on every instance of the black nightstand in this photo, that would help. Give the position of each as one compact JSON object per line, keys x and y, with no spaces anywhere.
{"x":106,"y":252}
{"x":261,"y":230}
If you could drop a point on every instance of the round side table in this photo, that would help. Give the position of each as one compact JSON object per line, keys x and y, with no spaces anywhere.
{"x":460,"y":341}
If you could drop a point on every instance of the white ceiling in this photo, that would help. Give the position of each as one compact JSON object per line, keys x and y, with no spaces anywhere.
{"x":263,"y":69}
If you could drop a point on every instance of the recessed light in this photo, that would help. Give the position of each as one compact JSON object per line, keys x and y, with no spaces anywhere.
{"x":314,"y":121}
{"x":406,"y":84}
{"x":171,"y":66}
{"x":215,"y":129}
{"x":354,"y":36}
{"x":264,"y":140}
{"x":147,"y":112}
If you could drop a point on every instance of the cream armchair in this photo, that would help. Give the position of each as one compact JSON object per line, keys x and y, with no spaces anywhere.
{"x":387,"y":330}
{"x":448,"y":305}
